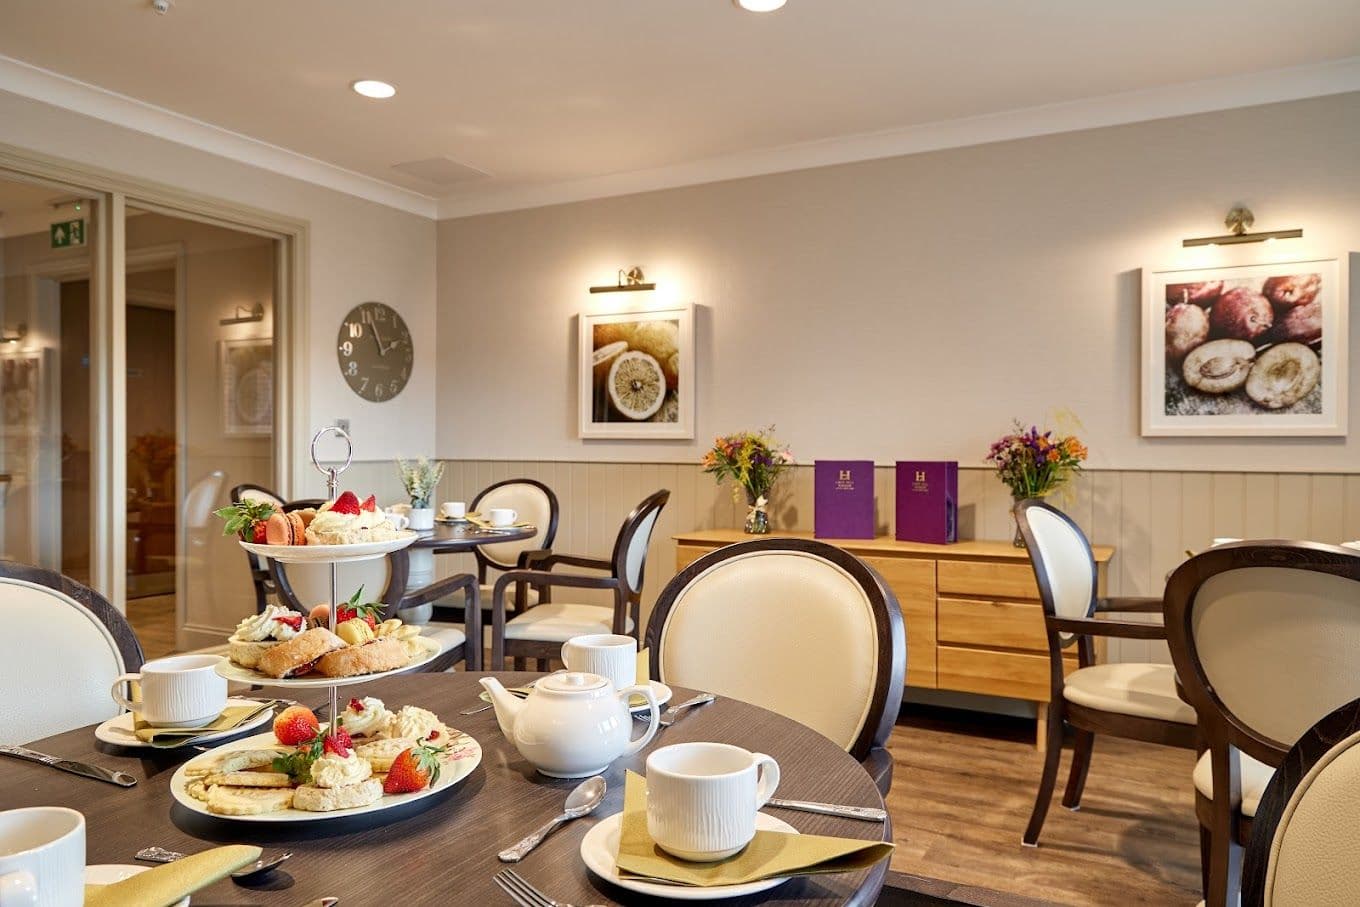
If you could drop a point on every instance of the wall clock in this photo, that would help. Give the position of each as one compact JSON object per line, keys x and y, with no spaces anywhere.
{"x":375,"y":351}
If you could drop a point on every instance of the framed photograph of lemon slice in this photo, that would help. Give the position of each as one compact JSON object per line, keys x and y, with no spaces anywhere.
{"x":637,"y":373}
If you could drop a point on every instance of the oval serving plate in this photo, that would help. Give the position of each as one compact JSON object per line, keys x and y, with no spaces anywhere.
{"x":314,"y":554}
{"x":231,"y":671}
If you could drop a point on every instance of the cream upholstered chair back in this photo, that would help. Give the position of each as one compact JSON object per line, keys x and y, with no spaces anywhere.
{"x":303,"y":586}
{"x":799,"y":627}
{"x":1265,"y":637}
{"x":62,"y":647}
{"x":535,"y":503}
{"x":1063,"y":565}
{"x":1303,"y":839}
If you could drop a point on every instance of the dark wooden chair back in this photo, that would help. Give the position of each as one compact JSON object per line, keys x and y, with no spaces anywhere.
{"x":630,"y":546}
{"x":259,"y":567}
{"x":536,"y":504}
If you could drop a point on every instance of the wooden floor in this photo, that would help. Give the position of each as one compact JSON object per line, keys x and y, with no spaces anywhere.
{"x":153,"y":620}
{"x":963,"y":787}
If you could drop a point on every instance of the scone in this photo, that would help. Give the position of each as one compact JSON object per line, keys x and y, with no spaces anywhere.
{"x":258,"y":633}
{"x":315,"y":799}
{"x":380,"y":754}
{"x":299,"y":654}
{"x":249,"y":801}
{"x":370,"y":658}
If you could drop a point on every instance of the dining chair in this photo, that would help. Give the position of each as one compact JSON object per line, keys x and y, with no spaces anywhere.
{"x":59,"y":636}
{"x":303,"y":586}
{"x":799,"y":627}
{"x":260,"y":578}
{"x":536,"y":504}
{"x":1264,"y":636}
{"x":539,"y":631}
{"x":1302,"y":850}
{"x":1131,"y":700}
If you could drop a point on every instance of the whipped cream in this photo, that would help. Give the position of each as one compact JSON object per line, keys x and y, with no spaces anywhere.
{"x":330,"y":527}
{"x":331,"y":770}
{"x":370,"y":722}
{"x":413,"y":721}
{"x":263,"y":626}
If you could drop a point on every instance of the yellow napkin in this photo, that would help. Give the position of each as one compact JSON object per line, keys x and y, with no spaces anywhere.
{"x":170,"y":883}
{"x":476,"y":520}
{"x":175,"y":736}
{"x":771,"y":854}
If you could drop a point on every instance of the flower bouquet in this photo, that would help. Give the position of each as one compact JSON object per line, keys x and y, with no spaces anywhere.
{"x":753,"y":461}
{"x":1034,"y":464}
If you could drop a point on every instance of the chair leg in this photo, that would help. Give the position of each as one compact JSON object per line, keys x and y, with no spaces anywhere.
{"x":1081,"y":764}
{"x":1205,"y":856}
{"x":1052,"y":755}
{"x":519,"y":663}
{"x":541,"y":665}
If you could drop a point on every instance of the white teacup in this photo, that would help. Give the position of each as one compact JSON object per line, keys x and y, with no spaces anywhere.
{"x":612,"y":657}
{"x":502,"y":516}
{"x":181,"y":691}
{"x":42,"y":857}
{"x":453,"y":510}
{"x":702,"y":798}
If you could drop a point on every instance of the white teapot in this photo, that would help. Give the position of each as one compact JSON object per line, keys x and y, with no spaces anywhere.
{"x":572,"y":725}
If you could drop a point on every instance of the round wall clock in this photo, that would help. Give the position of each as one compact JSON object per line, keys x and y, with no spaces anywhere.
{"x":375,"y":351}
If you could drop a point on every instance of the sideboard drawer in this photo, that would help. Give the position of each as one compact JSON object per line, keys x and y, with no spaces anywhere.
{"x":688,"y":554}
{"x":913,"y":582}
{"x":985,"y":579}
{"x":996,"y":673}
{"x":993,"y":624}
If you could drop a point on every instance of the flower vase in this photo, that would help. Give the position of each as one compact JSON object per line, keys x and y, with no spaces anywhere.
{"x":757,"y":519}
{"x":1019,"y":540}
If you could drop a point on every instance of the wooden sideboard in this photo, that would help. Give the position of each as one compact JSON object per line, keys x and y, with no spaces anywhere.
{"x":972,"y":613}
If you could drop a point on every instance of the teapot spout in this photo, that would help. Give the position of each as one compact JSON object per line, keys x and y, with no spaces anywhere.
{"x":506,"y":704}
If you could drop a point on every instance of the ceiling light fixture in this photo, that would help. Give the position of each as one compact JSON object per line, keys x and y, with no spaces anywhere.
{"x":1238,"y":220}
{"x":759,"y":6}
{"x":629,"y":281}
{"x":372,"y":88}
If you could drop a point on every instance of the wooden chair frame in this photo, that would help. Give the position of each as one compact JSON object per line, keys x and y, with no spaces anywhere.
{"x":123,"y":637}
{"x":870,"y":746}
{"x":1085,"y":721}
{"x":538,"y":572}
{"x":1312,"y":747}
{"x":1224,"y":831}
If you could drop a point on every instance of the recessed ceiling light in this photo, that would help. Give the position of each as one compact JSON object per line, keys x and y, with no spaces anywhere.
{"x":372,"y":88}
{"x":759,"y":6}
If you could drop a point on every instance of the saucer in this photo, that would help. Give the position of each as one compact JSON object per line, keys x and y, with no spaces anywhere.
{"x":108,"y":873}
{"x":118,"y":731}
{"x":600,"y":850}
{"x":452,"y":520}
{"x":661,"y":691}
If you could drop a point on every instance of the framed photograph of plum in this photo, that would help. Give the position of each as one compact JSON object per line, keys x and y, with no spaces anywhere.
{"x":636,"y":374}
{"x":1247,"y":350}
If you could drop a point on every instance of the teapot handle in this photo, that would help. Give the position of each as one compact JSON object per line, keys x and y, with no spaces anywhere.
{"x":646,"y":692}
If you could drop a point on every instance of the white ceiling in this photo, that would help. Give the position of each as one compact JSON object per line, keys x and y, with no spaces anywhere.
{"x":545,"y":94}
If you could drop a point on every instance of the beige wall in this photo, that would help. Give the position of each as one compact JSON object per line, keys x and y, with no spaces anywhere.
{"x":908,"y":307}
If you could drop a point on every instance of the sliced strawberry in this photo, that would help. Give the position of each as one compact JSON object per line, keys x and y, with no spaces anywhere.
{"x":338,"y":743}
{"x":355,"y":705}
{"x":414,"y":769}
{"x":296,"y":725}
{"x":348,"y":502}
{"x":293,"y":620}
{"x":370,"y":503}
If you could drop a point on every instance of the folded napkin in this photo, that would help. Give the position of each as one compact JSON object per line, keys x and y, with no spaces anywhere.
{"x":480,"y":523}
{"x":171,"y":883}
{"x":232,"y":716}
{"x":770,"y":855}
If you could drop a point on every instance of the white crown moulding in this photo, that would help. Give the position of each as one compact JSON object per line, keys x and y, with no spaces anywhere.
{"x":1294,"y":83}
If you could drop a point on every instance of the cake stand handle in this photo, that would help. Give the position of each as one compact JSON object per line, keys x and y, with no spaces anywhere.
{"x":332,"y":474}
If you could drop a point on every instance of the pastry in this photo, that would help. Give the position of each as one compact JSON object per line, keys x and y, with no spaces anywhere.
{"x":197,"y":789}
{"x":370,"y":658}
{"x":345,"y":521}
{"x":367,"y":717}
{"x":299,"y":654}
{"x":249,"y":779}
{"x":248,"y":801}
{"x":315,"y":799}
{"x":242,"y":760}
{"x":332,"y":770}
{"x":258,"y":633}
{"x":413,"y":722}
{"x":285,"y":529}
{"x":380,"y":753}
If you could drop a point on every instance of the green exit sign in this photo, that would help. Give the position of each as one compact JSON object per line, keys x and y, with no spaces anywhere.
{"x":68,"y":233}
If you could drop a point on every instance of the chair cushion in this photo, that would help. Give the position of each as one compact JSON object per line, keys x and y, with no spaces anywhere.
{"x":448,"y":636}
{"x":1142,"y":690}
{"x":1255,"y":777}
{"x":559,"y":622}
{"x":530,"y":595}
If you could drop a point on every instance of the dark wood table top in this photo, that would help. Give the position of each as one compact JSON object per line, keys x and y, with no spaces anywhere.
{"x":443,"y":849}
{"x":454,"y":538}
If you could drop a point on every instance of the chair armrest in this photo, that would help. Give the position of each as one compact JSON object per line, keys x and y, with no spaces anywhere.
{"x":545,"y":578}
{"x":546,"y":560}
{"x":1129,"y":605}
{"x":1120,"y":629}
{"x":466,"y":582}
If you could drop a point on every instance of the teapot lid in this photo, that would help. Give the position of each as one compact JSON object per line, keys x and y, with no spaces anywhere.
{"x":571,"y":682}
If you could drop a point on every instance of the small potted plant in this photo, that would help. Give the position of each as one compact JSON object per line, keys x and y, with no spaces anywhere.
{"x":1034,"y":464}
{"x":753,"y":460}
{"x":421,"y":478}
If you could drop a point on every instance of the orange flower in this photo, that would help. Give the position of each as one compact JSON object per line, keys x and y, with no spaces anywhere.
{"x":1053,"y":455}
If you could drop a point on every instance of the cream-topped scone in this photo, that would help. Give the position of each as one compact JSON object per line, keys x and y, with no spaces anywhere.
{"x":415,"y":723}
{"x":331,"y":770}
{"x":258,"y":633}
{"x":337,"y":523}
{"x":367,"y":717}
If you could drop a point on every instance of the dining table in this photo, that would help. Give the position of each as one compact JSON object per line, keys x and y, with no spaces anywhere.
{"x":450,"y":537}
{"x":442,"y":850}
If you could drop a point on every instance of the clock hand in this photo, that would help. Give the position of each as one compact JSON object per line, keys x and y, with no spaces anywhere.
{"x":382,"y":349}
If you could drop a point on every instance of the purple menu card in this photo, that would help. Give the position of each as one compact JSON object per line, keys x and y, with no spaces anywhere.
{"x":928,"y":501}
{"x":843,"y":503}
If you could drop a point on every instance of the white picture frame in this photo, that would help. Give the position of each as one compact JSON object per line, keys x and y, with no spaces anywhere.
{"x":654,"y":342}
{"x":245,"y":369}
{"x":1172,"y":407}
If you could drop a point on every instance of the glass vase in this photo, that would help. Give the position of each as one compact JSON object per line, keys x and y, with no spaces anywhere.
{"x":757,"y":519}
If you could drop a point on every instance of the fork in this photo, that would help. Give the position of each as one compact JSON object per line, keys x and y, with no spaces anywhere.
{"x":526,"y":895}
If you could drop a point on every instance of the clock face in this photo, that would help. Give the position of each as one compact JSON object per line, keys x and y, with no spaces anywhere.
{"x":375,"y":351}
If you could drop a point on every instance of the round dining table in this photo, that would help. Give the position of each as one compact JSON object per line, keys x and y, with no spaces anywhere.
{"x":442,"y":850}
{"x":454,"y":538}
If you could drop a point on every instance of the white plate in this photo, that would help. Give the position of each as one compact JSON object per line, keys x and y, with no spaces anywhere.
{"x":232,"y":671}
{"x":108,"y":873}
{"x":468,"y":753}
{"x":118,"y":731}
{"x":312,"y":554}
{"x":600,"y":851}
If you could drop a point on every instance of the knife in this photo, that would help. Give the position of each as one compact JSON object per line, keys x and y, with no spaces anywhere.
{"x":867,"y":813}
{"x":322,"y":902}
{"x":122,"y":779}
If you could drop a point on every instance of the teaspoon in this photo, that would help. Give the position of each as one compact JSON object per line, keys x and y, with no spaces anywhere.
{"x":580,"y":802}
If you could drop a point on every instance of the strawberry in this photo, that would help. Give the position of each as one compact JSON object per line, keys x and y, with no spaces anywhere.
{"x":414,"y":769}
{"x":368,"y":613}
{"x":293,"y":620}
{"x":338,"y":743}
{"x":348,"y":502}
{"x":355,"y":705}
{"x":434,"y":735}
{"x":258,"y":535}
{"x":296,"y":725}
{"x":370,"y":503}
